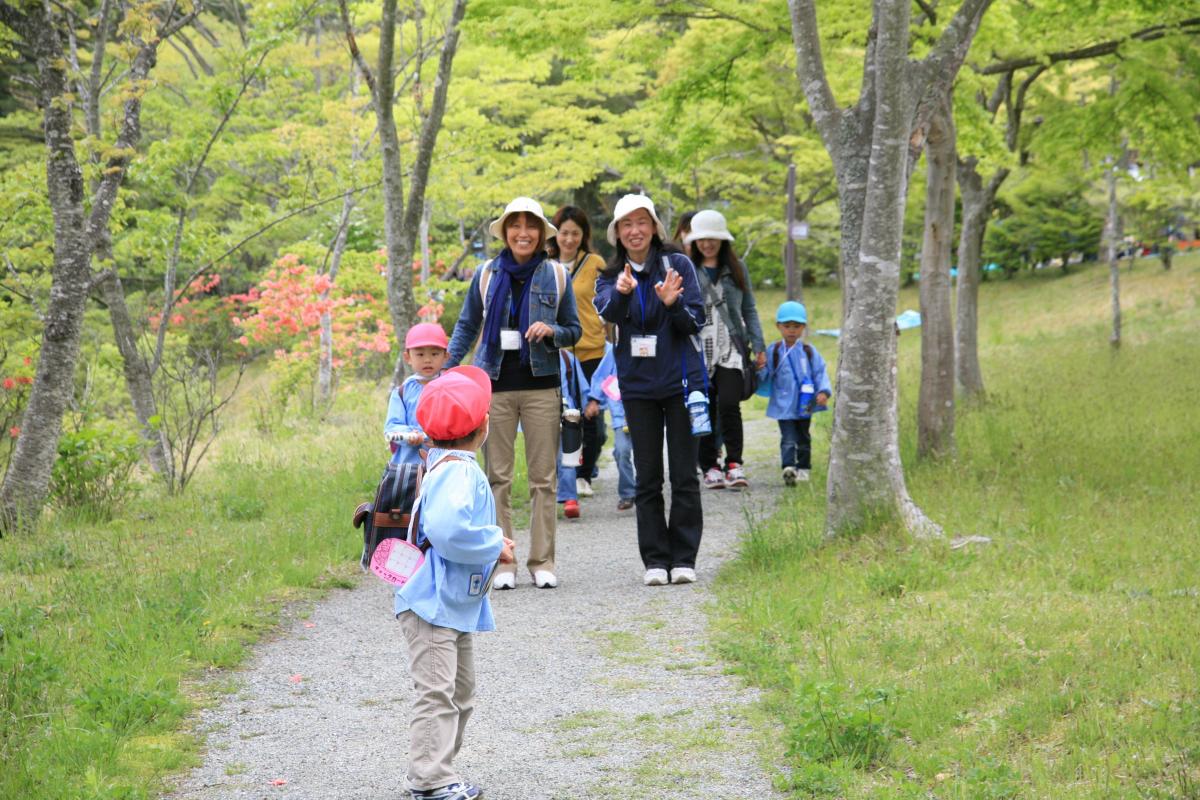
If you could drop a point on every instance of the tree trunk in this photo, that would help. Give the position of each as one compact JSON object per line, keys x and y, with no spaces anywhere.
{"x":423,"y":235}
{"x":325,"y":352}
{"x":1112,"y":236}
{"x":137,"y":373}
{"x":977,"y":203}
{"x":794,"y":280}
{"x":401,"y":215}
{"x":935,"y":409}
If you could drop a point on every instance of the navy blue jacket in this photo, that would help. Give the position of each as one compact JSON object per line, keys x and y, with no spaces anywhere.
{"x":641,"y":312}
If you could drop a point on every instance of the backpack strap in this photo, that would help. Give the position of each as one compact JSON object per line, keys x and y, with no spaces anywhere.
{"x":485,"y":278}
{"x":414,"y":524}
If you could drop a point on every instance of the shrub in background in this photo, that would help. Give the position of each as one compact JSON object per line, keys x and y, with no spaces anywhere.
{"x":94,"y":470}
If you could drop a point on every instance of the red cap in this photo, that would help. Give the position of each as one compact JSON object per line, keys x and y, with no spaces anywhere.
{"x":426,"y":334}
{"x":454,"y":404}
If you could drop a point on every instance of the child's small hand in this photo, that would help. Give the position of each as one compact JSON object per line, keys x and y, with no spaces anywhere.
{"x":507,"y":553}
{"x":822,"y":399}
{"x":760,"y":361}
{"x":591,"y":409}
{"x":415,"y":438}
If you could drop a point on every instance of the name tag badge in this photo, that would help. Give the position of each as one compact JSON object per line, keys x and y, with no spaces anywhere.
{"x":476,"y":584}
{"x":510,"y":339}
{"x":643,"y":346}
{"x":806,"y":388}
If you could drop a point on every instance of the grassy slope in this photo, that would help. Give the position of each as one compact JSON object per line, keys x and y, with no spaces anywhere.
{"x":1061,"y":660}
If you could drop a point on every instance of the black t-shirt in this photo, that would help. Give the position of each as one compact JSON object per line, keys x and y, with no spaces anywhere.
{"x":515,"y":376}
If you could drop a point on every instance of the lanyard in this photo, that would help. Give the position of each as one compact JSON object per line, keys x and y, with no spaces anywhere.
{"x":795,"y":373}
{"x":683,"y":369}
{"x":642,"y":303}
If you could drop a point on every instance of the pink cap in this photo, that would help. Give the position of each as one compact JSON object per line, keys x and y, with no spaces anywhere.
{"x":454,"y":404}
{"x":426,"y":334}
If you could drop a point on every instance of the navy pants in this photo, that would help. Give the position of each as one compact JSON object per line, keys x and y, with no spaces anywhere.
{"x":795,"y":443}
{"x":665,"y":542}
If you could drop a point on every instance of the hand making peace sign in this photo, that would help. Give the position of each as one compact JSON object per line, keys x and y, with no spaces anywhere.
{"x":669,"y":288}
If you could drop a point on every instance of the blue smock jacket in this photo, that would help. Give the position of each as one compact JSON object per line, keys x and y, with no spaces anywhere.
{"x":458,"y":517}
{"x":402,"y":419}
{"x":641,"y":313}
{"x":780,"y":374}
{"x":607,"y":367}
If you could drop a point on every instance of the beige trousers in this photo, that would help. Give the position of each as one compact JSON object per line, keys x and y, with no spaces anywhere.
{"x":539,"y":412}
{"x":442,"y":664}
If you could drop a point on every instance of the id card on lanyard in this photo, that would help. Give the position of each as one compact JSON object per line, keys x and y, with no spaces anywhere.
{"x":644,"y":345}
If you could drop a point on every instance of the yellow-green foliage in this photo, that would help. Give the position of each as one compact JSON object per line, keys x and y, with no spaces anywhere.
{"x":1060,"y":660}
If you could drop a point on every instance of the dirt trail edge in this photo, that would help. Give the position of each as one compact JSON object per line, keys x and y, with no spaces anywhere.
{"x":597,"y":689}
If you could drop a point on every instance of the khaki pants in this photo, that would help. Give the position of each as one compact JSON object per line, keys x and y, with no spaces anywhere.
{"x":442,"y":664}
{"x":539,"y":412}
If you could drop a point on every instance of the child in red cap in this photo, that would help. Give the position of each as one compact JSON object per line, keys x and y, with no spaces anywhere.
{"x":446,"y":600}
{"x":425,"y":348}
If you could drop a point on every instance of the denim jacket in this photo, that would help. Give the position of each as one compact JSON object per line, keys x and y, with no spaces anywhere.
{"x":544,"y":306}
{"x":743,"y":313}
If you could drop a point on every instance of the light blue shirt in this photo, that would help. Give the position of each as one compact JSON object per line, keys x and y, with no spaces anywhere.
{"x":458,"y":517}
{"x":571,"y":381}
{"x":607,"y":367}
{"x":402,"y":419}
{"x":783,"y":367}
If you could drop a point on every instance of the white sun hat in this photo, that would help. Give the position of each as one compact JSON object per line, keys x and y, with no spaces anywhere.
{"x":709,"y":225}
{"x":529,"y":206}
{"x":626,"y":206}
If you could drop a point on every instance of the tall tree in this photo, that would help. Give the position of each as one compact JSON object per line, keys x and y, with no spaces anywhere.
{"x":935,"y":406}
{"x":78,"y":229}
{"x":402,"y":215}
{"x":869,"y":144}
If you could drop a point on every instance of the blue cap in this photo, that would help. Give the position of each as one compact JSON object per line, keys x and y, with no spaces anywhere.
{"x":791,"y":311}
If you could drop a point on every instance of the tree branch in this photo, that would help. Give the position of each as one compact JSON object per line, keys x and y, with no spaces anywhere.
{"x":929,"y":11}
{"x":810,"y":69}
{"x":1189,"y":26}
{"x":355,"y":53}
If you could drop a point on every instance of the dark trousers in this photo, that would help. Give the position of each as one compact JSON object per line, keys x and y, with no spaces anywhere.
{"x":725,"y":404}
{"x":593,"y":429}
{"x":675,"y":543}
{"x":795,"y":443}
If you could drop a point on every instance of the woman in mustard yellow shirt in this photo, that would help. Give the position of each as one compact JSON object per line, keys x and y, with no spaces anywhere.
{"x":572,"y":247}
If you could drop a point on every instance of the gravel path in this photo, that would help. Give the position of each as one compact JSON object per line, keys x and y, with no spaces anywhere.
{"x":598,"y":688}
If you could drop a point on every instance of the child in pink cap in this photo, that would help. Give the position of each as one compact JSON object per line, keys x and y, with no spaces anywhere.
{"x":425,"y":352}
{"x":446,"y":600}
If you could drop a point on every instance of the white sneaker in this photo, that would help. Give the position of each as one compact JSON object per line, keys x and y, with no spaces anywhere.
{"x":735,"y":477}
{"x":505,"y":580}
{"x":714,"y":479}
{"x":789,"y":476}
{"x":655,"y":577}
{"x":545,"y":579}
{"x":802,"y":475}
{"x":583,"y":487}
{"x":683,"y":575}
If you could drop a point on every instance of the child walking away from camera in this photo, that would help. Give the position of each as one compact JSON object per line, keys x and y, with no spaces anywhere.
{"x":571,"y":444}
{"x":605,"y":392}
{"x":794,"y":378}
{"x":425,"y":348}
{"x":446,"y":600}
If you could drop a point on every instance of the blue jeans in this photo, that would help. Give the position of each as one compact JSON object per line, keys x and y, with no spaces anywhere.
{"x":566,"y":481}
{"x":795,"y":443}
{"x":623,"y":455}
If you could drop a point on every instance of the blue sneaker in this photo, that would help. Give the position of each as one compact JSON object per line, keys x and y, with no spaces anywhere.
{"x":455,"y":791}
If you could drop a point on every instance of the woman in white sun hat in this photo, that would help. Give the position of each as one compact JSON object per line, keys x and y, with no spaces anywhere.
{"x":732,"y":331}
{"x":650,"y":292}
{"x":521,"y":309}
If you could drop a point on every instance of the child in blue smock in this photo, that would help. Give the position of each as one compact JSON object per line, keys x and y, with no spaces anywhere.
{"x":605,"y":392}
{"x":794,"y":378}
{"x":425,"y":351}
{"x":445,"y":601}
{"x":573,"y":385}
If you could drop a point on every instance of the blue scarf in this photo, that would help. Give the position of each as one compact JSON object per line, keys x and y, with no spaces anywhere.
{"x":502,"y":299}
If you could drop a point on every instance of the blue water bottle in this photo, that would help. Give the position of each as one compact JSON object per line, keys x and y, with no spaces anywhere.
{"x":697,"y":405}
{"x":806,"y":398}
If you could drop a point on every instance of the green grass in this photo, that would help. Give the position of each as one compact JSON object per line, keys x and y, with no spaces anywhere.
{"x":1063,"y":659}
{"x":106,"y":627}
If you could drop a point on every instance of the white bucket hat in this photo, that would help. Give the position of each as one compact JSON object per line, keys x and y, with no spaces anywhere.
{"x":529,"y":206}
{"x":709,"y":225}
{"x":626,"y":206}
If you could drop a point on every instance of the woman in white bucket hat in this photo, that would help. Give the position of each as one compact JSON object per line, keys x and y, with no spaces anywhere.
{"x":521,"y":309}
{"x":731,"y":331}
{"x":650,"y":292}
